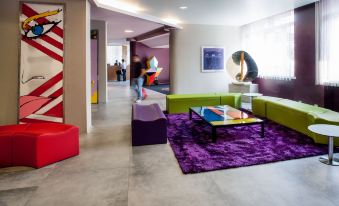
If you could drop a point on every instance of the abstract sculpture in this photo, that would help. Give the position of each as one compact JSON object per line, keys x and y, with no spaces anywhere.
{"x":152,"y":71}
{"x":152,"y":64}
{"x":240,"y":71}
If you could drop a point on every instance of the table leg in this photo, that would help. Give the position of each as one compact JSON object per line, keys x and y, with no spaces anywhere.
{"x":262,"y":130}
{"x":329,"y":160}
{"x":214,"y":134}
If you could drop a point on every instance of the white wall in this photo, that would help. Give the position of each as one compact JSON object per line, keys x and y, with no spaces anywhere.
{"x":77,"y":109}
{"x":101,"y":26}
{"x":185,"y":61}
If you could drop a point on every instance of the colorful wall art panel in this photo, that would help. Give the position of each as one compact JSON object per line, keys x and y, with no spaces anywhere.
{"x":41,"y":63}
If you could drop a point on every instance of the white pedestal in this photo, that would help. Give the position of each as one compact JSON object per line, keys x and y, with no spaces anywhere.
{"x":243,"y":88}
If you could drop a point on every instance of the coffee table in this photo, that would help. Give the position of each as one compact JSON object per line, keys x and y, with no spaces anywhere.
{"x":225,"y":116}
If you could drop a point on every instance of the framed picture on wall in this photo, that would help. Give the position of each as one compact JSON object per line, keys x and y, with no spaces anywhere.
{"x":212,"y":59}
{"x":41,"y":62}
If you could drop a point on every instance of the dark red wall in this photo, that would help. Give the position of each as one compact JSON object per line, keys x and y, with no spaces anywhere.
{"x":162,"y":55}
{"x":303,"y":88}
{"x":305,"y":62}
{"x":332,"y":98}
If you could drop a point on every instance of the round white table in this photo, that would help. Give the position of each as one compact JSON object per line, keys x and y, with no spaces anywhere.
{"x":251,"y":96}
{"x":331,"y":131}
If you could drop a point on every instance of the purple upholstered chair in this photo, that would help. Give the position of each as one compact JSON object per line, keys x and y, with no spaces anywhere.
{"x":149,"y":125}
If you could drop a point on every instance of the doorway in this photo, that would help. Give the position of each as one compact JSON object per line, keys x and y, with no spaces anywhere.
{"x":115,"y":55}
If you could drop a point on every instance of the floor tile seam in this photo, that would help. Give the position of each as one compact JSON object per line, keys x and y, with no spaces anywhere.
{"x":94,"y":170}
{"x":18,"y":188}
{"x":129,"y":161}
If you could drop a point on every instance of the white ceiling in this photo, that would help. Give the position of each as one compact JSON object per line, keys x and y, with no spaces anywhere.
{"x":212,"y":12}
{"x":117,"y":23}
{"x":142,"y":16}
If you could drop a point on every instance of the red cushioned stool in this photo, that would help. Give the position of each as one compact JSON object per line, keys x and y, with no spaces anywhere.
{"x":42,"y":144}
{"x":6,"y":134}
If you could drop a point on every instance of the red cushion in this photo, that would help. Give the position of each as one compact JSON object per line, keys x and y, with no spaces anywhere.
{"x":6,"y":133}
{"x":5,"y":150}
{"x":37,"y":144}
{"x":12,"y":128}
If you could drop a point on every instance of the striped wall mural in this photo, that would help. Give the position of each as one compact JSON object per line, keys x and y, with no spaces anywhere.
{"x":41,"y":63}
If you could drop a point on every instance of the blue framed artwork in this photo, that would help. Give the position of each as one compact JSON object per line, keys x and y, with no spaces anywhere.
{"x":212,"y":59}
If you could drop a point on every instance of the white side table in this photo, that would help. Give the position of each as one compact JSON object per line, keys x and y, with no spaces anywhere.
{"x":332,"y":131}
{"x":251,"y":96}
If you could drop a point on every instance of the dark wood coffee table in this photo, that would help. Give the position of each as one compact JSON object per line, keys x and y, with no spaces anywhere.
{"x":225,"y":116}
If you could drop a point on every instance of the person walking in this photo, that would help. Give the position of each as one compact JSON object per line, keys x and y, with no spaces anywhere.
{"x":138,"y":72}
{"x":123,"y":69}
{"x":119,"y":71}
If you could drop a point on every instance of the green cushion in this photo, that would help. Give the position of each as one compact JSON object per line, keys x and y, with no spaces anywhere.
{"x":295,"y":115}
{"x":302,"y":106}
{"x":231,"y":99}
{"x":259,"y":104}
{"x":180,"y":103}
{"x":328,"y":117}
{"x":288,"y":116}
{"x":189,"y":96}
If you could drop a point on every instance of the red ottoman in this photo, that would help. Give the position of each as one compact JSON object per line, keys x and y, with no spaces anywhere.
{"x":6,"y":134}
{"x":42,"y":144}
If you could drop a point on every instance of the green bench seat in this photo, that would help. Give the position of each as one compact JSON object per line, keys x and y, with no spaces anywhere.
{"x":295,"y":115}
{"x":180,"y":103}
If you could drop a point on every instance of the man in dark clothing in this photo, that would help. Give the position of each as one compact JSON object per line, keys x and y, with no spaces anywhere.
{"x":119,"y":72}
{"x":123,"y":69}
{"x":138,"y":71}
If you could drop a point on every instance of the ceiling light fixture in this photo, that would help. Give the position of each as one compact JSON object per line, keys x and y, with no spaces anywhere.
{"x":128,"y":31}
{"x":183,"y":7}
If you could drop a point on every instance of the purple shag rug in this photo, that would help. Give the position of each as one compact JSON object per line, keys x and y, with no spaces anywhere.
{"x":235,"y":146}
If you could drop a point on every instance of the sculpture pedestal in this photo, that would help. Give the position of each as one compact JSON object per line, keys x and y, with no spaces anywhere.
{"x":243,"y":88}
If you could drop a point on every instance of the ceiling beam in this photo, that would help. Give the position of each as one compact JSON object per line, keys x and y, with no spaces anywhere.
{"x":154,"y":33}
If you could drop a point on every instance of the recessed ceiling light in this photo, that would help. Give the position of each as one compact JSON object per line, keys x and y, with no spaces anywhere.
{"x":129,"y":31}
{"x":183,"y":7}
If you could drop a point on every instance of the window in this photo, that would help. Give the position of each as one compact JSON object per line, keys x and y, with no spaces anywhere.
{"x":271,"y":44}
{"x":327,"y":13}
{"x":114,"y":53}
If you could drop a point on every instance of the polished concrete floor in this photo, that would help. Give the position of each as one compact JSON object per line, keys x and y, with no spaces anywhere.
{"x":110,"y":172}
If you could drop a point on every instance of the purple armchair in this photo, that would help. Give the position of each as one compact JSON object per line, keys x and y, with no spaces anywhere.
{"x":149,"y":125}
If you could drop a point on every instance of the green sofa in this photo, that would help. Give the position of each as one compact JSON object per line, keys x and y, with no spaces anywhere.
{"x":295,"y":115}
{"x":180,"y":103}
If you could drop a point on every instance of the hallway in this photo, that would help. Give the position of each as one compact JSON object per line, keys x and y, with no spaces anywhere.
{"x":110,"y":172}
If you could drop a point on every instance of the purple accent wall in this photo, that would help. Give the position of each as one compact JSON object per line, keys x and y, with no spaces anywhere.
{"x":162,"y":54}
{"x":303,"y":88}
